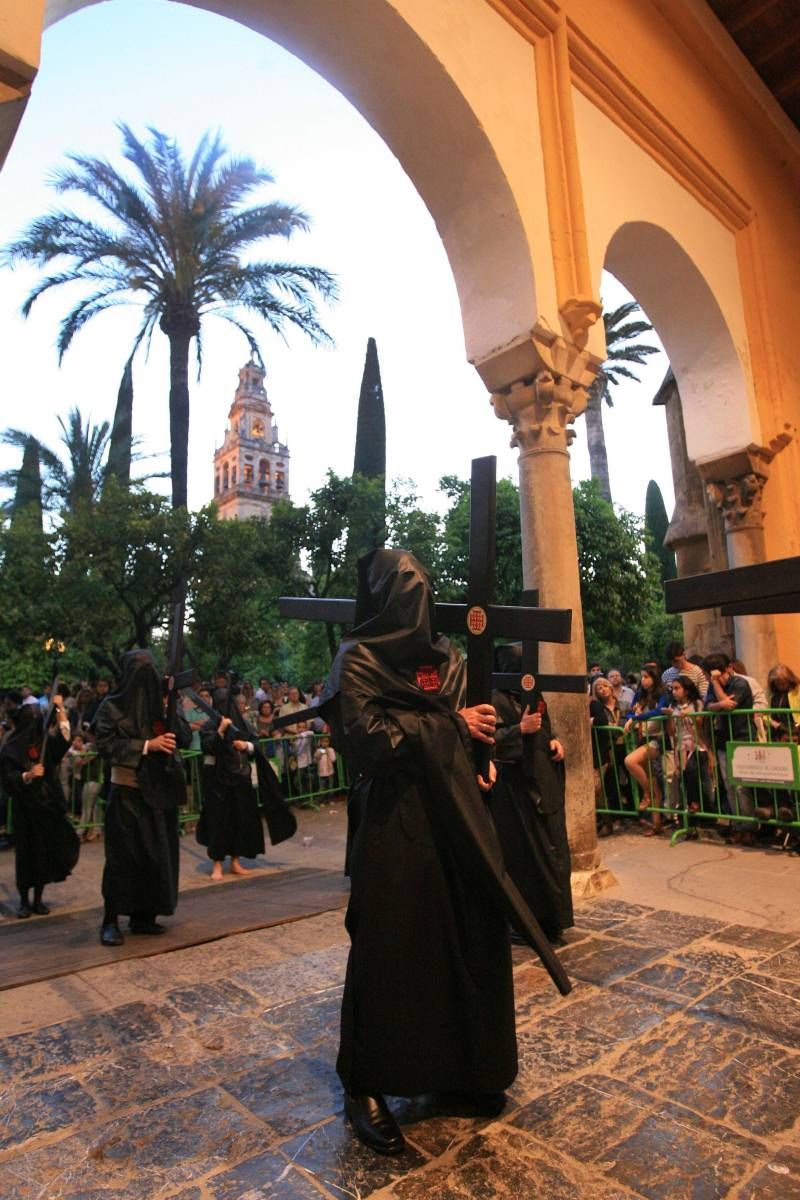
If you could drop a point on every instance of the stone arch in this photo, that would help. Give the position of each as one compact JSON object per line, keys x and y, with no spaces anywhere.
{"x":370,"y":52}
{"x":712,"y":377}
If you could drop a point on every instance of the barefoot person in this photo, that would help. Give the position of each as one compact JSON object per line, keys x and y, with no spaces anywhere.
{"x":141,"y":827}
{"x":428,"y":1002}
{"x":230,"y":823}
{"x":45,"y":842}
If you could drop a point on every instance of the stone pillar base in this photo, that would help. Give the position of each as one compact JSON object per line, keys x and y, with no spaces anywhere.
{"x":590,"y":883}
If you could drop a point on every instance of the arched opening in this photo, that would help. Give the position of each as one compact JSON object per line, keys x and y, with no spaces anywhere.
{"x":225,"y":478}
{"x":378,"y":59}
{"x":719,"y":411}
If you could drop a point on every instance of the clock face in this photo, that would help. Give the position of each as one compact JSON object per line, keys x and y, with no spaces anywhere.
{"x":258,"y":429}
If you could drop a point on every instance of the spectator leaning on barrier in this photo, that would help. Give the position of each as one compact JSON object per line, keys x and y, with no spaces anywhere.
{"x":648,"y":709}
{"x":727,"y":694}
{"x":784,"y":692}
{"x":760,"y":700}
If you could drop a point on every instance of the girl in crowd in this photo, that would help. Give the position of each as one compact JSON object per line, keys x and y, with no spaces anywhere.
{"x":690,"y":744}
{"x":608,"y":749}
{"x":649,"y":707}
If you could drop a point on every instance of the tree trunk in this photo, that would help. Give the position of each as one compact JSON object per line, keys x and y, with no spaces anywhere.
{"x":179,"y":339}
{"x":596,"y":441}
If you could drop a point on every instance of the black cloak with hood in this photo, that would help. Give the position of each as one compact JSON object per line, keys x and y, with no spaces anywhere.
{"x":45,"y":841}
{"x":141,"y":824}
{"x":428,"y":1003}
{"x":527,"y":804}
{"x":230,"y":822}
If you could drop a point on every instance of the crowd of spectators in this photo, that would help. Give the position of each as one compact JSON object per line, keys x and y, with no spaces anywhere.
{"x":666,"y":730}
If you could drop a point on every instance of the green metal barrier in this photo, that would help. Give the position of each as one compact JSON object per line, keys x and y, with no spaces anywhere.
{"x":301,"y":784}
{"x":691,"y":773}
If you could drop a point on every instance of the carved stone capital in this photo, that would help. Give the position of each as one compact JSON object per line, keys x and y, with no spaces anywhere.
{"x":539,"y":384}
{"x":735,"y":482}
{"x":580,"y":313}
{"x":739,"y":500}
{"x":541,"y":412}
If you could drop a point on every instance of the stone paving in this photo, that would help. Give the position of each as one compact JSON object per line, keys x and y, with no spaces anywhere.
{"x":672,"y":1072}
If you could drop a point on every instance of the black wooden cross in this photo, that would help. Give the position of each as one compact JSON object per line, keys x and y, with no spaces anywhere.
{"x":768,"y":587}
{"x":480,"y":618}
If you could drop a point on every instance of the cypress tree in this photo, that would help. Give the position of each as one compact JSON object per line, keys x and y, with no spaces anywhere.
{"x":656,"y":523}
{"x":119,"y":450}
{"x":28,"y":495}
{"x":370,"y":453}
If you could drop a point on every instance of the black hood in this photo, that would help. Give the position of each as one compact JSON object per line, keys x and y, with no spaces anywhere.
{"x":23,"y":744}
{"x":508,"y":658}
{"x":395,"y":610}
{"x":139,"y":697}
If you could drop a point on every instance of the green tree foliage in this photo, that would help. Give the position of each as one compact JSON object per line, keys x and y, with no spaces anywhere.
{"x":27,"y":483}
{"x":621,"y":595}
{"x":232,"y":592}
{"x":176,"y":240}
{"x":656,"y":523}
{"x":452,"y":567}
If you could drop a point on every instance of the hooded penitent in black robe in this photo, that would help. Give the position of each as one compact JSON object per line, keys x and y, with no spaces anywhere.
{"x":527,"y":804}
{"x":45,"y":841}
{"x":230,"y":822}
{"x":141,"y":825}
{"x":428,"y":1002}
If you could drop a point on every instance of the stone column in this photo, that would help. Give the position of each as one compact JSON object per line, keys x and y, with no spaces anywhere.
{"x":547,"y":391}
{"x":735,"y":485}
{"x":695,"y":531}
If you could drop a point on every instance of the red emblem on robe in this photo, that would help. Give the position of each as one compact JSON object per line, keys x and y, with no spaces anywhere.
{"x":158,"y":728}
{"x":33,"y":753}
{"x":428,"y":679}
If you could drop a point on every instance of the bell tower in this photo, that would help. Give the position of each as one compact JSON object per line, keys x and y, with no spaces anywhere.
{"x":251,"y":467}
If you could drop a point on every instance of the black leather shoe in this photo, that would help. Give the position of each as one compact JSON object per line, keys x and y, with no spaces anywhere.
{"x":373,"y":1123}
{"x":24,"y":911}
{"x":149,"y":927}
{"x":40,"y":908}
{"x":111,"y":935}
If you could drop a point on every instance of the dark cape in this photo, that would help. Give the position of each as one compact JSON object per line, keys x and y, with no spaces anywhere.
{"x":141,"y":823}
{"x":428,"y":1002}
{"x":527,"y":804}
{"x":229,"y":822}
{"x":45,"y":841}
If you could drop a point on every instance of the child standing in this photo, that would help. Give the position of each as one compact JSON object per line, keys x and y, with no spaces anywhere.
{"x":325,"y":758}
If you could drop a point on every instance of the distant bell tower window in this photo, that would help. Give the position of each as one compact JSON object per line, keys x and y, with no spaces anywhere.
{"x":216,"y":484}
{"x":248,"y":475}
{"x":225,"y":477}
{"x":263,"y":473}
{"x":279,"y":481}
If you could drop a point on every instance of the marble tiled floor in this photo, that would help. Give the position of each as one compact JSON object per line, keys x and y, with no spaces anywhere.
{"x":672,"y":1072}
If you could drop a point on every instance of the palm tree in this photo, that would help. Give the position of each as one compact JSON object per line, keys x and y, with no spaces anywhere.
{"x":621,"y":348}
{"x":80,"y":478}
{"x":173,"y":242}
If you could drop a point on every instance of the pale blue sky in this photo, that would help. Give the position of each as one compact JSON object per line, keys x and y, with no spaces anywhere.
{"x":369,"y":227}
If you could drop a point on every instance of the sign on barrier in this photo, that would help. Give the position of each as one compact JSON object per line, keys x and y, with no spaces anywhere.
{"x":764,"y":764}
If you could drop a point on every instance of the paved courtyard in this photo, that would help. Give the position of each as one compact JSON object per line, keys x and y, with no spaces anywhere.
{"x":671,"y":1072}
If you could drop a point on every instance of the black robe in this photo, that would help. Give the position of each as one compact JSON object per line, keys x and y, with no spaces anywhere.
{"x":45,"y":841}
{"x":141,"y":824}
{"x":230,"y":822}
{"x":527,"y":804}
{"x":428,"y":1002}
